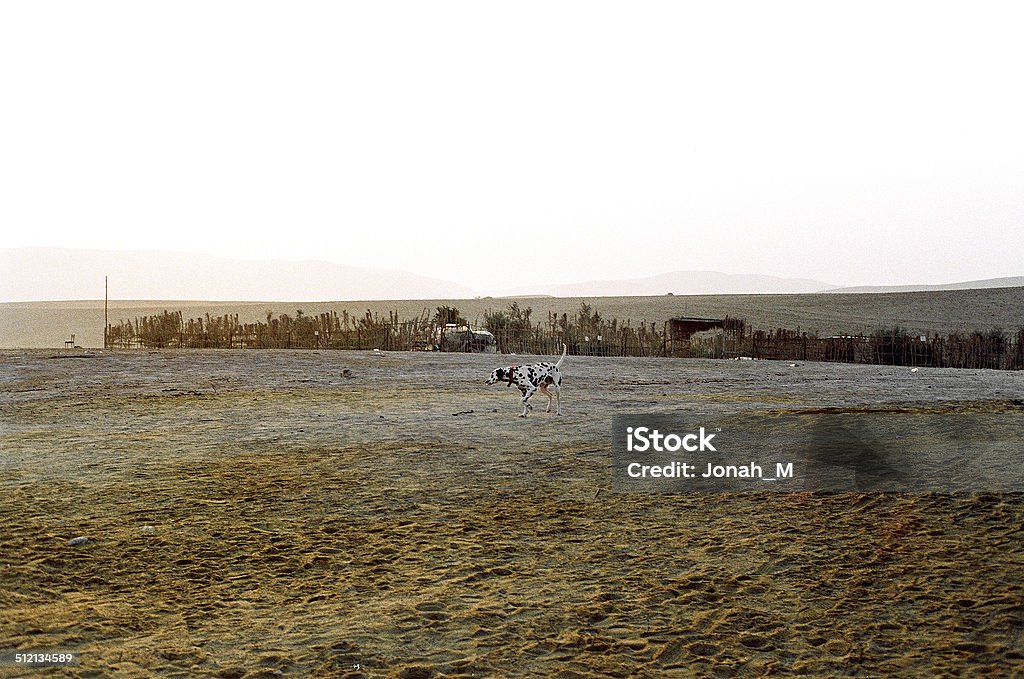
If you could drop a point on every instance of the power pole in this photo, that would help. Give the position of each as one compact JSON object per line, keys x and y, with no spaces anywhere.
{"x":105,"y":323}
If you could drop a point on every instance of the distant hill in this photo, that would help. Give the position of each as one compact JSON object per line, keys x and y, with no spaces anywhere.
{"x":40,"y":274}
{"x":689,"y":283}
{"x":1005,"y":282}
{"x":58,"y":274}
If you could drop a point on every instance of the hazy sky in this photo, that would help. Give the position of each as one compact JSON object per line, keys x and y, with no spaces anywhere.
{"x":497,"y":145}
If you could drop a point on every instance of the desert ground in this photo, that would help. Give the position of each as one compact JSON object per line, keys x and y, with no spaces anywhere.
{"x":272,"y":513}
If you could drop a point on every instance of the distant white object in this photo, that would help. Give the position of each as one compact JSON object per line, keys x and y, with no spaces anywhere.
{"x":913,"y":370}
{"x":792,"y":365}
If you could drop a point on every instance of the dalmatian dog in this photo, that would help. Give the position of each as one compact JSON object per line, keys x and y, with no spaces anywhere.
{"x":530,"y":378}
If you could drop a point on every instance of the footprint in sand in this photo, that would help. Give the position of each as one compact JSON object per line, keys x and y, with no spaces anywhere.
{"x":633,"y":644}
{"x":671,"y":653}
{"x":433,"y":611}
{"x":756,"y":642}
{"x":703,"y":649}
{"x":679,"y":651}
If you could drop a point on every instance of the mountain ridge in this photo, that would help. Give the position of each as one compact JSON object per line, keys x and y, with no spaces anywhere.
{"x":46,"y":274}
{"x":54,"y":273}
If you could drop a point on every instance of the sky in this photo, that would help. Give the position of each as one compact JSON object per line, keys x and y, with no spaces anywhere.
{"x":497,"y":145}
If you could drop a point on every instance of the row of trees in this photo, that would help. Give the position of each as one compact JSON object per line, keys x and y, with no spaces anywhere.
{"x":585,"y":332}
{"x":327,"y":330}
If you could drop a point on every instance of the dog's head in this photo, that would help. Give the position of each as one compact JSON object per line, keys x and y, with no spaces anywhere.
{"x":498,"y":375}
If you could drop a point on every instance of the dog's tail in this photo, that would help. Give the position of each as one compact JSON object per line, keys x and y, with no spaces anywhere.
{"x":565,"y":350}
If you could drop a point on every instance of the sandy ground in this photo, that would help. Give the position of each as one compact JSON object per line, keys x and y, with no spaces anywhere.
{"x":258,"y":514}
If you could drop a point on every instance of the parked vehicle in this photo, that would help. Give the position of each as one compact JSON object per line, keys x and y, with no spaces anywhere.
{"x":453,"y":337}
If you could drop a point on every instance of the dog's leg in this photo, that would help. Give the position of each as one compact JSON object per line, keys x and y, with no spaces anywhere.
{"x":558,"y":399}
{"x":526,"y":399}
{"x":544,"y":390}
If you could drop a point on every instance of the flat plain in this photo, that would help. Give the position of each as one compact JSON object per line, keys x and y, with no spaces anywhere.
{"x":268,"y":513}
{"x":49,"y":324}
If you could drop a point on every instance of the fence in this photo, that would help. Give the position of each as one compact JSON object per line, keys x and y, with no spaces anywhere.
{"x":325,"y":331}
{"x":592,"y":337}
{"x":993,"y":349}
{"x":642,"y":341}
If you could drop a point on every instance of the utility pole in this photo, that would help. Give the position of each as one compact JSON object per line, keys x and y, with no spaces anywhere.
{"x":105,"y":323}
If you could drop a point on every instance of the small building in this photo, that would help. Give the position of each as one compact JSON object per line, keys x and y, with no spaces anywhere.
{"x":704,"y":337}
